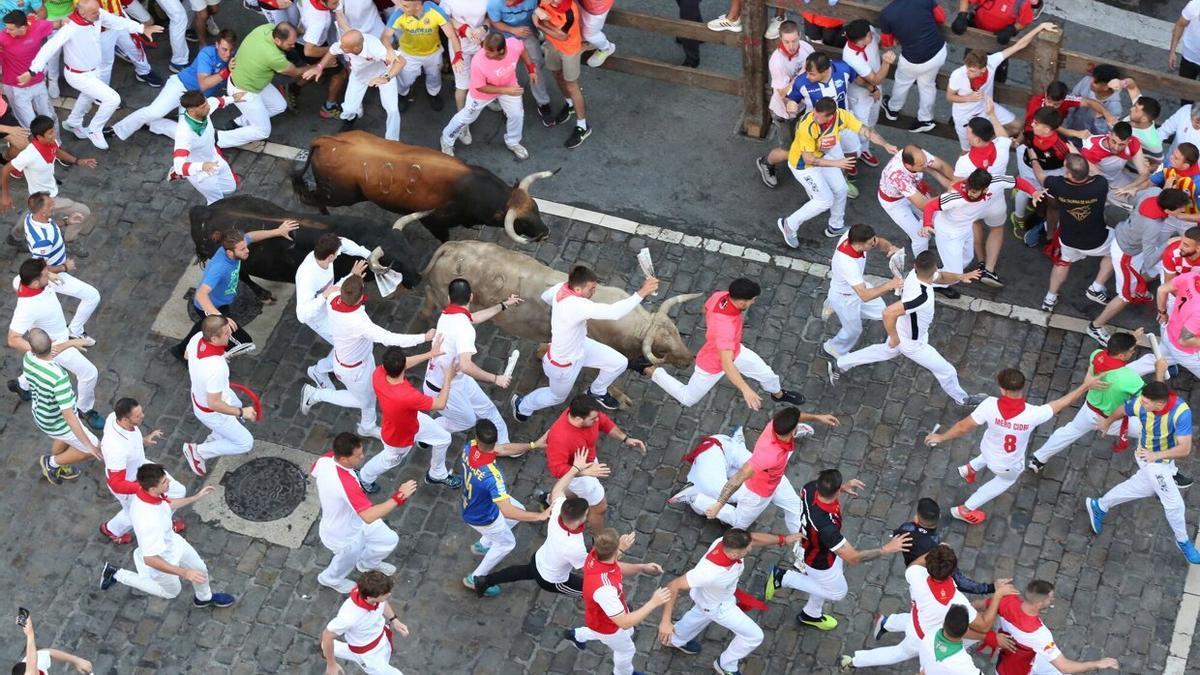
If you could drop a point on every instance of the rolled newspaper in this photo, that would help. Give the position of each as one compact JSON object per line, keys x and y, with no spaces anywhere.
{"x":512,"y":363}
{"x":647,"y":265}
{"x":896,"y":263}
{"x":934,"y":431}
{"x":1157,"y":349}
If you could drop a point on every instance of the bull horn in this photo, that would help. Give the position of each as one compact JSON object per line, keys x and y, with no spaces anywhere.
{"x":402,"y":221}
{"x":533,"y":178}
{"x":373,"y":261}
{"x":510,"y":227}
{"x":662,"y":313}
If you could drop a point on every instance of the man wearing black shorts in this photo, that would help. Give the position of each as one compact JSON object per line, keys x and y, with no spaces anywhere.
{"x":1077,"y":210}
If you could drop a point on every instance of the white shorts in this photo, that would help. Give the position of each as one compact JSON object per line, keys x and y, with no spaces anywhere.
{"x":1071,"y":254}
{"x":1127,"y":273}
{"x":72,"y":440}
{"x":198,"y":5}
{"x":996,"y":214}
{"x":589,"y":488}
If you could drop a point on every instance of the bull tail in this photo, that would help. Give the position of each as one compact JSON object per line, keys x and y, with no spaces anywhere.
{"x":206,"y":240}
{"x":437,"y":254}
{"x":307,"y":195}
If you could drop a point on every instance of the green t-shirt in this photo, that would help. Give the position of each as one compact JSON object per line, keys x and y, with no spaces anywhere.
{"x":50,"y":387}
{"x":1123,"y":384}
{"x":257,"y":60}
{"x":57,"y":9}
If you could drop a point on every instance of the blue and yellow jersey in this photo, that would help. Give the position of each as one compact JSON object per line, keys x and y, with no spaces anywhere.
{"x":816,"y":139}
{"x":1161,"y":430}
{"x":419,"y":34}
{"x":483,"y":486}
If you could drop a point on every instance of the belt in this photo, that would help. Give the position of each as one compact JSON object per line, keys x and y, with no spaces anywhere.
{"x":76,"y":70}
{"x":568,"y":364}
{"x":347,"y":365}
{"x":363,"y":649}
{"x":200,"y":407}
{"x":1095,"y":409}
{"x":887,"y":198}
{"x":436,"y":389}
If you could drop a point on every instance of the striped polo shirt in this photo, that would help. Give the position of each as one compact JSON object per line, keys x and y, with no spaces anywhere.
{"x":51,"y":389}
{"x":1161,"y":430}
{"x":45,"y":241}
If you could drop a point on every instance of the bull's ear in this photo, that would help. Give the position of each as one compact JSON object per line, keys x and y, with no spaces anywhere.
{"x":215,"y":236}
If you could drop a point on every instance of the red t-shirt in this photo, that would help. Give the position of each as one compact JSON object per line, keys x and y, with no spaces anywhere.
{"x":769,"y":459}
{"x":565,"y":438}
{"x":723,"y":330}
{"x":1038,"y":102}
{"x":398,"y":404}
{"x":994,"y":15}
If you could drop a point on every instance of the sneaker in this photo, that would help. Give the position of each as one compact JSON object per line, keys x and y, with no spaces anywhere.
{"x":878,"y":628}
{"x":832,"y":233}
{"x":772,"y":32}
{"x":989,"y":278}
{"x":723,"y":23}
{"x":516,"y":149}
{"x":308,"y":394}
{"x":804,"y":431}
{"x":67,"y":472}
{"x":845,"y":663}
{"x":1048,"y":304}
{"x":851,"y":190}
{"x":330,"y":111}
{"x":322,"y":379}
{"x":343,"y":586}
{"x":194,"y":460}
{"x":577,"y":137}
{"x":684,"y":495}
{"x":544,"y":112}
{"x":369,"y":488}
{"x":436,"y":101}
{"x":349,"y":124}
{"x":15,"y":387}
{"x":947,"y":292}
{"x":515,"y":404}
{"x":968,"y":473}
{"x":975,"y":399}
{"x":599,"y":56}
{"x":175,"y":68}
{"x":464,"y":137}
{"x":178,"y":526}
{"x":210,"y":25}
{"x":716,"y":664}
{"x":52,"y":87}
{"x":291,"y":94}
{"x":92,"y":419}
{"x":1095,"y":514}
{"x":403,"y":103}
{"x":967,"y":515}
{"x":788,"y":238}
{"x":79,"y":131}
{"x":50,"y":473}
{"x":691,"y":647}
{"x":240,"y":349}
{"x":767,"y":173}
{"x":792,"y":397}
{"x":1189,"y":551}
{"x":566,"y":113}
{"x":829,"y":351}
{"x":386,"y":568}
{"x":491,"y":592}
{"x":448,"y":149}
{"x":606,"y":401}
{"x":1100,"y":297}
{"x":921,"y":126}
{"x":1183,"y":482}
{"x":87,"y":340}
{"x":151,"y":78}
{"x":1098,"y":333}
{"x":886,"y":109}
{"x":569,"y":636}
{"x":542,"y":499}
{"x":451,"y":481}
{"x":108,"y":577}
{"x":1035,"y":236}
{"x":833,"y":372}
{"x":372,"y":431}
{"x":774,"y":582}
{"x":1018,"y":226}
{"x":867,"y":158}
{"x":219,"y":600}
{"x":1036,"y":465}
{"x":123,"y":539}
{"x":97,"y":139}
{"x":825,"y":622}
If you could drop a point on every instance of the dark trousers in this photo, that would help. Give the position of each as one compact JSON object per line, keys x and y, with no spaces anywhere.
{"x":689,"y":10}
{"x":240,"y":336}
{"x":573,"y":586}
{"x":1189,"y":70}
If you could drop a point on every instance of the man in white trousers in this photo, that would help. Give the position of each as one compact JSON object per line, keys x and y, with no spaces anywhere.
{"x":849,"y":296}
{"x":367,"y":625}
{"x":20,"y":40}
{"x":313,"y":276}
{"x":916,"y":26}
{"x":52,"y":403}
{"x":571,"y":350}
{"x":712,"y":586}
{"x":715,"y":459}
{"x":213,"y":401}
{"x":416,"y":27}
{"x":1179,"y":337}
{"x":456,"y":326}
{"x":989,"y":146}
{"x":861,"y":53}
{"x":723,"y":354}
{"x":196,"y":157}
{"x":261,"y":56}
{"x":469,"y":19}
{"x":903,"y":192}
{"x":351,"y":527}
{"x":163,"y":559}
{"x":493,"y":77}
{"x":124,"y":449}
{"x":177,"y":25}
{"x":79,"y":38}
{"x":762,"y":480}
{"x":823,"y":551}
{"x":112,"y":41}
{"x":373,"y":65}
{"x":45,"y":240}
{"x":354,"y":337}
{"x":1010,"y":422}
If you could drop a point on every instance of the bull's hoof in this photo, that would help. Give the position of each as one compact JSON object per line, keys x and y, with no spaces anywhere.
{"x":622,"y":398}
{"x":267,"y":298}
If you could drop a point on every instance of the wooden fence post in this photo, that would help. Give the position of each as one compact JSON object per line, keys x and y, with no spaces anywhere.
{"x":755,"y":121}
{"x":1045,"y":60}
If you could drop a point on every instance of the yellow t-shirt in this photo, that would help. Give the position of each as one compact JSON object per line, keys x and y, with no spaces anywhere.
{"x":419,"y":35}
{"x":810,"y":137}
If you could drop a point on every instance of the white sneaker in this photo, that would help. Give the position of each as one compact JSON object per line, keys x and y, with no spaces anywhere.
{"x":386,"y":568}
{"x":342,"y":586}
{"x":803,"y":431}
{"x":599,"y":56}
{"x":722,"y":23}
{"x":448,"y":149}
{"x":211,"y":25}
{"x":773,"y":25}
{"x":52,"y":87}
{"x":88,"y":341}
{"x":684,"y":495}
{"x":322,"y":379}
{"x":77,"y":130}
{"x":519,"y":150}
{"x":832,"y":353}
{"x":308,"y":398}
{"x":194,"y":460}
{"x":372,"y":432}
{"x":465,"y":136}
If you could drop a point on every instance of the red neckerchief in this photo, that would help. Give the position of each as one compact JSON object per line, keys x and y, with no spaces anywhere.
{"x":477,"y":458}
{"x":1044,"y":143}
{"x":1150,"y":209}
{"x":1190,"y":172}
{"x":149,"y":498}
{"x":961,"y":188}
{"x":565,"y":292}
{"x":1171,"y":401}
{"x":848,"y":249}
{"x":317,"y":4}
{"x":718,"y":555}
{"x":828,"y":125}
{"x":569,"y":530}
{"x":338,"y":306}
{"x":978,"y":82}
{"x":983,"y":156}
{"x":47,"y":152}
{"x":1010,"y":407}
{"x":24,"y":291}
{"x":357,"y":598}
{"x":943,"y":591}
{"x":725,"y":305}
{"x":76,"y":17}
{"x":204,"y":349}
{"x":1104,"y":362}
{"x":790,"y":55}
{"x":861,"y":51}
{"x":705,"y":443}
{"x":458,"y":309}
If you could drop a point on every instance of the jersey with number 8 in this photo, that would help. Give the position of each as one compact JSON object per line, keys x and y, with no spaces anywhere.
{"x":1009,"y":427}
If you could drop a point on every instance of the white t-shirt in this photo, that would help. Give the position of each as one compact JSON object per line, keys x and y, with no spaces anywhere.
{"x":783,"y":70}
{"x":342,"y":498}
{"x":993,"y":158}
{"x":957,"y":214}
{"x":569,"y":316}
{"x":469,"y":12}
{"x":39,"y":174}
{"x":958,"y":663}
{"x":123,"y":451}
{"x":363,"y":16}
{"x":318,"y":25}
{"x":153,"y":528}
{"x":43,"y":661}
{"x":713,"y":585}
{"x":1189,"y":46}
{"x":897,"y":182}
{"x":209,"y":373}
{"x":917,"y":298}
{"x":931,"y":600}
{"x":369,"y":63}
{"x":863,"y":62}
{"x":960,"y":83}
{"x":357,"y":624}
{"x":846,"y":269}
{"x":38,"y":310}
{"x":1004,"y":443}
{"x":458,"y":337}
{"x":562,"y":552}
{"x":1180,"y":126}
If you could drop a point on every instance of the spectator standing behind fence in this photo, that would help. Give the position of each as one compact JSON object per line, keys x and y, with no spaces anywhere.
{"x":784,"y":66}
{"x":689,"y":10}
{"x":1185,"y":39}
{"x":914,"y":25}
{"x":1104,"y":84}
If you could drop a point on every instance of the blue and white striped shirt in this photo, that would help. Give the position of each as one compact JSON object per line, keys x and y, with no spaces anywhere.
{"x":45,"y":241}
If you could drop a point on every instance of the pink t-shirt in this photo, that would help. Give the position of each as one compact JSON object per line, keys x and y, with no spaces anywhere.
{"x":769,"y":459}
{"x":596,"y":7}
{"x":1187,"y":310}
{"x":486,"y":72}
{"x":722,"y":330}
{"x":16,"y":54}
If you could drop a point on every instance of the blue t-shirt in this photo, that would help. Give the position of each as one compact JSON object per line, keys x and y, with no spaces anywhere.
{"x":25,"y":6}
{"x":483,"y":489}
{"x":913,"y":25}
{"x":808,"y":92}
{"x":206,"y":62}
{"x":1161,"y":430}
{"x":221,"y":275}
{"x":520,"y":14}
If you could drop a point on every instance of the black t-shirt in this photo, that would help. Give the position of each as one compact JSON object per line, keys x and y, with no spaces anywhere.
{"x":822,"y":528}
{"x":923,"y":540}
{"x":1080,"y":211}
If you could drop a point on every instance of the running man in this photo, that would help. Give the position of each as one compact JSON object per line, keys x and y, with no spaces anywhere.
{"x":196,"y":156}
{"x":849,"y":296}
{"x":214,"y":403}
{"x":366,"y":623}
{"x":1021,"y":617}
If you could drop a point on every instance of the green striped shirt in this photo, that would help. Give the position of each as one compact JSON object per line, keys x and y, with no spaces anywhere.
{"x":52,"y":393}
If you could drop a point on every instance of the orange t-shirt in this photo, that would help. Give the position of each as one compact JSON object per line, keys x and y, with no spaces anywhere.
{"x":564,"y":17}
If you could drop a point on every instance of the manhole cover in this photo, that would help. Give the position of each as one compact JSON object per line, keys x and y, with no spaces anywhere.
{"x":265,"y":489}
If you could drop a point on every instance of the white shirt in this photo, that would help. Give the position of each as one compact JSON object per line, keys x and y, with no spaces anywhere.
{"x":318,"y":25}
{"x":929,"y":609}
{"x":960,"y":83}
{"x":918,"y":309}
{"x":80,"y":44}
{"x":862,"y":65}
{"x":354,"y":334}
{"x":783,"y":70}
{"x":896,"y":182}
{"x":39,"y":174}
{"x":569,"y":317}
{"x":209,"y":374}
{"x":956,"y":214}
{"x":342,"y":498}
{"x":959,"y":663}
{"x":369,"y":63}
{"x":469,"y":12}
{"x":363,"y":16}
{"x":966,"y":164}
{"x":1178,"y":125}
{"x":192,"y":150}
{"x":123,"y":451}
{"x":42,"y":310}
{"x":312,"y":280}
{"x":1005,"y":441}
{"x":846,"y":271}
{"x":1189,"y":46}
{"x":43,"y":661}
{"x":458,"y":337}
{"x":713,"y":585}
{"x":562,"y":551}
{"x":154,"y":530}
{"x":358,"y":625}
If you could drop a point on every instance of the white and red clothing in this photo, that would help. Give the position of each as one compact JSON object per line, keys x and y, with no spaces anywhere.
{"x":715,"y":460}
{"x":992,"y":156}
{"x":723,"y":323}
{"x":846,"y":271}
{"x":352,"y":542}
{"x":1185,"y":315}
{"x":366,"y":637}
{"x":592,"y":14}
{"x":953,"y":214}
{"x":896,"y":185}
{"x":124,"y":451}
{"x":1036,"y":648}
{"x":209,"y":373}
{"x":962,"y":84}
{"x":312,"y":307}
{"x":468,"y":17}
{"x":859,"y":99}
{"x":769,"y":483}
{"x":1010,"y":424}
{"x":370,"y":63}
{"x":196,"y":144}
{"x":1175,"y":263}
{"x":1111,"y":164}
{"x":931,"y":600}
{"x":467,"y":403}
{"x":713,"y":583}
{"x":571,"y":350}
{"x":154,"y":528}
{"x":783,"y":68}
{"x":40,"y":308}
{"x":404,"y":425}
{"x":603,"y":598}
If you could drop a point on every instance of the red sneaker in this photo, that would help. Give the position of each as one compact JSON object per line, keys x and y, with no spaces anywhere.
{"x":178,"y":525}
{"x":194,"y":460}
{"x":968,"y":473}
{"x":123,"y":539}
{"x":867,"y":158}
{"x":968,"y":516}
